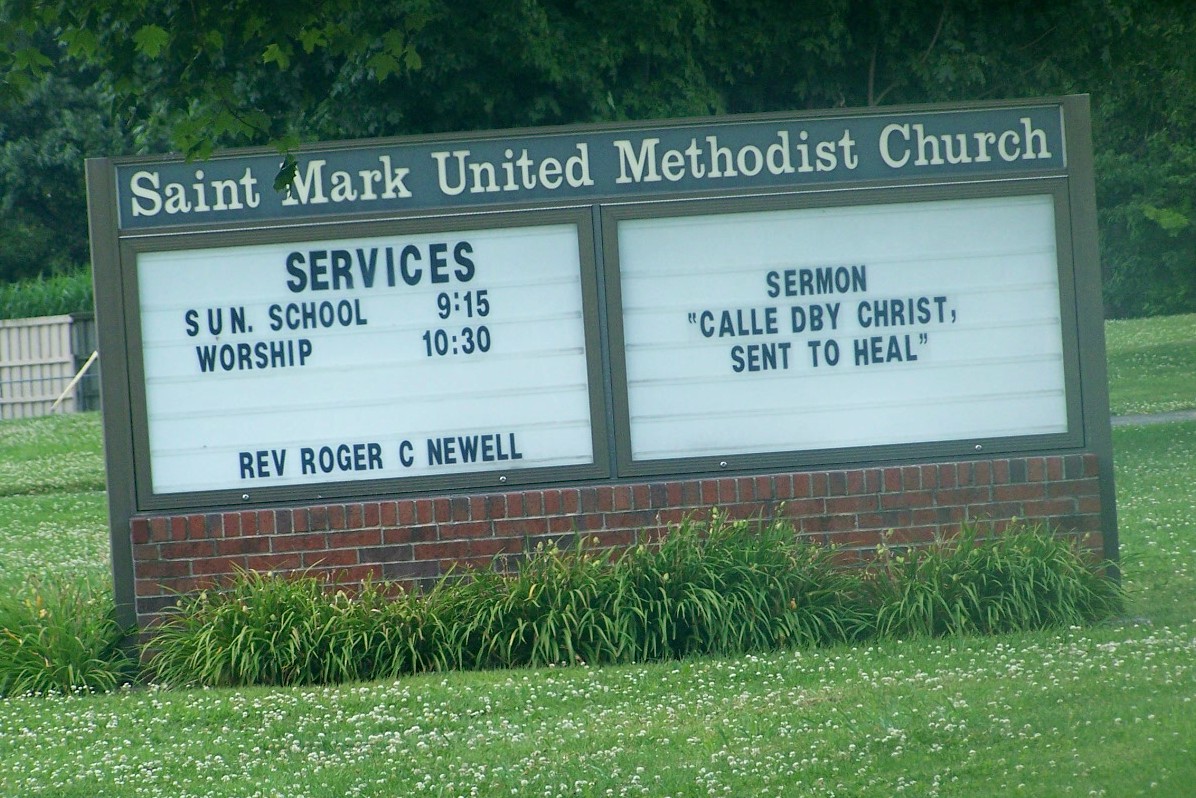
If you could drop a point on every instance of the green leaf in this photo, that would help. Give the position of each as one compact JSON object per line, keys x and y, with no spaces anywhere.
{"x":311,"y":38}
{"x":1171,"y":221}
{"x":286,"y":173}
{"x":275,"y":54}
{"x":151,"y":40}
{"x":383,"y":65}
{"x":80,"y":43}
{"x":30,"y":58}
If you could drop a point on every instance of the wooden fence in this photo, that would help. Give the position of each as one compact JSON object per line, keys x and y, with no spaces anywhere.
{"x":38,"y":359}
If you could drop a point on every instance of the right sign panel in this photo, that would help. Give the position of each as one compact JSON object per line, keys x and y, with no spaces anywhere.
{"x":836,"y":327}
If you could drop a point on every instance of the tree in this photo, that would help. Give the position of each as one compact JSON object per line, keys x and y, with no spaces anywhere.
{"x":283,"y":72}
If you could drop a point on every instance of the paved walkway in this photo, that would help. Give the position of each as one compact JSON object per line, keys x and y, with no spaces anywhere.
{"x":1153,"y":418}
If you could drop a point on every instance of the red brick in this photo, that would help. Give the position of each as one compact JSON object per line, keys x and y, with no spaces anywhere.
{"x":351,"y":575}
{"x":211,"y":566}
{"x":1049,"y":507}
{"x":325,"y":559}
{"x":588,"y":522}
{"x":1054,"y":468}
{"x":398,"y":534}
{"x":891,"y":479}
{"x":533,"y":502}
{"x":812,"y":523}
{"x":254,"y":545}
{"x":488,"y":547}
{"x":178,"y":528}
{"x":336,"y":516}
{"x":163,"y":569}
{"x":441,"y":551}
{"x":513,"y":527}
{"x":139,"y":529}
{"x":149,"y":587}
{"x":197,"y":528}
{"x":912,"y":535}
{"x":425,"y":533}
{"x":249,"y":522}
{"x":840,"y":523}
{"x":911,"y":478}
{"x":300,"y":520}
{"x":803,"y":486}
{"x":466,"y":529}
{"x":308,"y":541}
{"x":1086,"y":487}
{"x":796,"y":508}
{"x":908,"y":498}
{"x":143,"y":552}
{"x":883,"y":520}
{"x":948,"y":476}
{"x":187,"y":549}
{"x":496,"y":506}
{"x":371,"y":514}
{"x":851,"y":504}
{"x":388,"y":514}
{"x":231,"y":525}
{"x":355,"y":538}
{"x":263,"y":563}
{"x":632,"y":519}
{"x":560,"y":523}
{"x":641,"y":497}
{"x":930,"y":516}
{"x":1020,"y":492}
{"x":442,"y":510}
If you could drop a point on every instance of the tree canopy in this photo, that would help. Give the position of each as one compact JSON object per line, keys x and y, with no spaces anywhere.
{"x":203,"y":76}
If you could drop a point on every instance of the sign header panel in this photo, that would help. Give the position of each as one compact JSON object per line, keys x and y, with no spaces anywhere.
{"x":753,"y":153}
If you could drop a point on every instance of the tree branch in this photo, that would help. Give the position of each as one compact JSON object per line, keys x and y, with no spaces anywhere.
{"x":921,"y":61}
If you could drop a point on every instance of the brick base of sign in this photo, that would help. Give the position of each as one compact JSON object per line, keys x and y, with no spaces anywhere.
{"x":415,"y":541}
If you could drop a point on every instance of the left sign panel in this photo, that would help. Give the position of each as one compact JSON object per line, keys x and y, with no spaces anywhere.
{"x":363,"y":358}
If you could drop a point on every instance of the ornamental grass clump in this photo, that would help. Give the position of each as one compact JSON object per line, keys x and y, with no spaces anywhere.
{"x":720,"y":587}
{"x":1022,"y":579}
{"x":736,"y":586}
{"x":561,"y":607}
{"x":60,"y":635}
{"x":264,"y":629}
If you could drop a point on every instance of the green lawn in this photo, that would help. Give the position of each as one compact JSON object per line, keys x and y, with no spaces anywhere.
{"x":1105,"y":711}
{"x":1152,"y":364}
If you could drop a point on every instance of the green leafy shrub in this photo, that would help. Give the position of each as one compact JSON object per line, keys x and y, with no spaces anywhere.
{"x":60,"y":635}
{"x":1022,"y":579}
{"x":59,"y":294}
